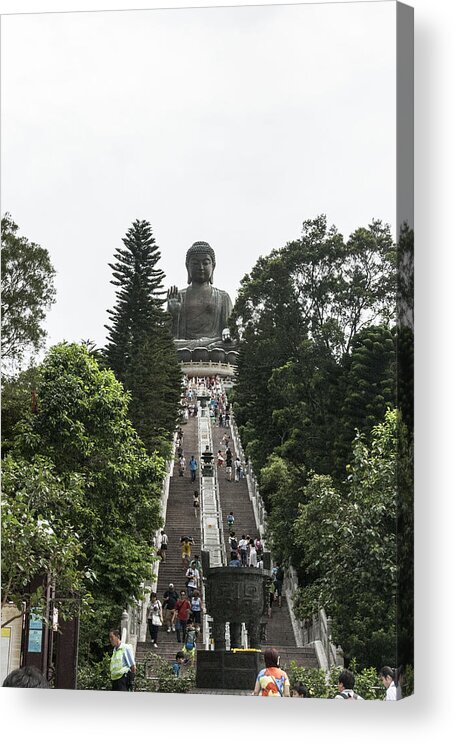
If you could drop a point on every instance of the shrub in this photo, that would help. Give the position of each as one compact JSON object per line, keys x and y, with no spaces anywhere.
{"x":322,"y":684}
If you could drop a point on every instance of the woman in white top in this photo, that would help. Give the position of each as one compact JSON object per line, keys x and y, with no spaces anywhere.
{"x":387,"y":676}
{"x":252,"y":555}
{"x":154,"y":617}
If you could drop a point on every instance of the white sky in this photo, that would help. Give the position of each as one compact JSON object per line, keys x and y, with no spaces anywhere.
{"x":230,"y":125}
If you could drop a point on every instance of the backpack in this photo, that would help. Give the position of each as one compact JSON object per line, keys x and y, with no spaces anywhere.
{"x":190,"y":643}
{"x":348,"y":697}
{"x":233,"y":544}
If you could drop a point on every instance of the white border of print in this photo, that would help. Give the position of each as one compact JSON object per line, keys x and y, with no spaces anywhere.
{"x":70,"y":715}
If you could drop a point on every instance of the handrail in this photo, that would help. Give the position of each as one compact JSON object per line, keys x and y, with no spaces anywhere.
{"x":260,"y":514}
{"x":320,"y":629}
{"x":134,"y":620}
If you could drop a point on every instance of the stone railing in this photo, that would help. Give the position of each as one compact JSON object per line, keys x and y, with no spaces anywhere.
{"x":316,"y":632}
{"x":257,"y":502}
{"x":212,"y":539}
{"x":134,"y":620}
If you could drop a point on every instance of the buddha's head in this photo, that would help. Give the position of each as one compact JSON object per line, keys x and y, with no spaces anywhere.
{"x":200,"y":263}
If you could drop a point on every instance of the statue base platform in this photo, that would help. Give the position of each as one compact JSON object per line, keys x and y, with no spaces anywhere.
{"x":227,"y":670}
{"x":208,"y":368}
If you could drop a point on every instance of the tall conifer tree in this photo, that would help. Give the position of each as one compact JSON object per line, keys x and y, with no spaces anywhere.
{"x":139,"y":348}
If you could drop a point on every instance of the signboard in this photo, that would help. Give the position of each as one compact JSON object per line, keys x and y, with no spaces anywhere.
{"x":5,"y":651}
{"x":35,"y":634}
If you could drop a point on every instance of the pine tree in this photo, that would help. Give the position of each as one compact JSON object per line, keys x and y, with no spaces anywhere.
{"x":140,"y":349}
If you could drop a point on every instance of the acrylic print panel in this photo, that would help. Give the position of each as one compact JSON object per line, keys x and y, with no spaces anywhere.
{"x":216,"y":206}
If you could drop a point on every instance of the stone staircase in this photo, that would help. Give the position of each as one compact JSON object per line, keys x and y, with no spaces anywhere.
{"x":180,"y":521}
{"x":234,"y":497}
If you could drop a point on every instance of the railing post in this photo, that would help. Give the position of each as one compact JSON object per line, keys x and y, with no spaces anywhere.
{"x":329,"y":642}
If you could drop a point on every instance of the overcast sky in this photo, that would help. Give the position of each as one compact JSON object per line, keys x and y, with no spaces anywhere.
{"x":230,"y":125}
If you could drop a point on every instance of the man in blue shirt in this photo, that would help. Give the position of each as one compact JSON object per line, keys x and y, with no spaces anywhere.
{"x":193,"y":468}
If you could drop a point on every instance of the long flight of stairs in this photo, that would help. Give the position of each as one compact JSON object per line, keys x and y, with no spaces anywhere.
{"x":234,"y":497}
{"x":180,"y":521}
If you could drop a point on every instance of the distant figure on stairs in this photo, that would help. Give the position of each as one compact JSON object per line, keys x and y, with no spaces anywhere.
{"x":154,"y":618}
{"x":163,"y":546}
{"x":183,"y":608}
{"x":193,"y":468}
{"x":179,"y":661}
{"x":196,"y":503}
{"x":170,"y":599}
{"x":279,"y":579}
{"x":186,"y":542}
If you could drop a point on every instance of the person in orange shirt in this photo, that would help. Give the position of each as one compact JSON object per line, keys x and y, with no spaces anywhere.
{"x":272,"y":681}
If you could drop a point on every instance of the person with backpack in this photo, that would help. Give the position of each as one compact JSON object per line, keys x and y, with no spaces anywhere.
{"x":154,"y":617}
{"x":259,"y":546}
{"x":279,"y":579}
{"x":192,"y":581}
{"x":170,"y":599}
{"x":271,"y":591}
{"x":233,"y":545}
{"x":243,"y":547}
{"x":272,"y":681}
{"x":186,"y":542}
{"x":230,"y":521}
{"x":346,"y":682}
{"x":196,"y":607}
{"x":182,"y":608}
{"x":189,"y":647}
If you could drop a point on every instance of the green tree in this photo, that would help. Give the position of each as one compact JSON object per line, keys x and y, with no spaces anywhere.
{"x":342,"y":286}
{"x":18,"y":400}
{"x":38,"y":543}
{"x":282,"y":488}
{"x":367,"y":387}
{"x":297,"y":315}
{"x":82,"y":426}
{"x":27,"y":293}
{"x":140,"y":349}
{"x":350,"y":549}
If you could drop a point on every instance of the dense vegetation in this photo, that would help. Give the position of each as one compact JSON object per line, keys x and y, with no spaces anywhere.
{"x":81,"y":489}
{"x":324,"y":403}
{"x":139,"y":348}
{"x":27,"y":292}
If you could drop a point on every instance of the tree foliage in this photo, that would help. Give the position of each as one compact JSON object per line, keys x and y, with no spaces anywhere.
{"x":37,"y":539}
{"x":27,"y":293}
{"x":350,"y":549}
{"x":322,"y":362}
{"x":139,"y":348}
{"x":304,"y":314}
{"x":105,"y":488}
